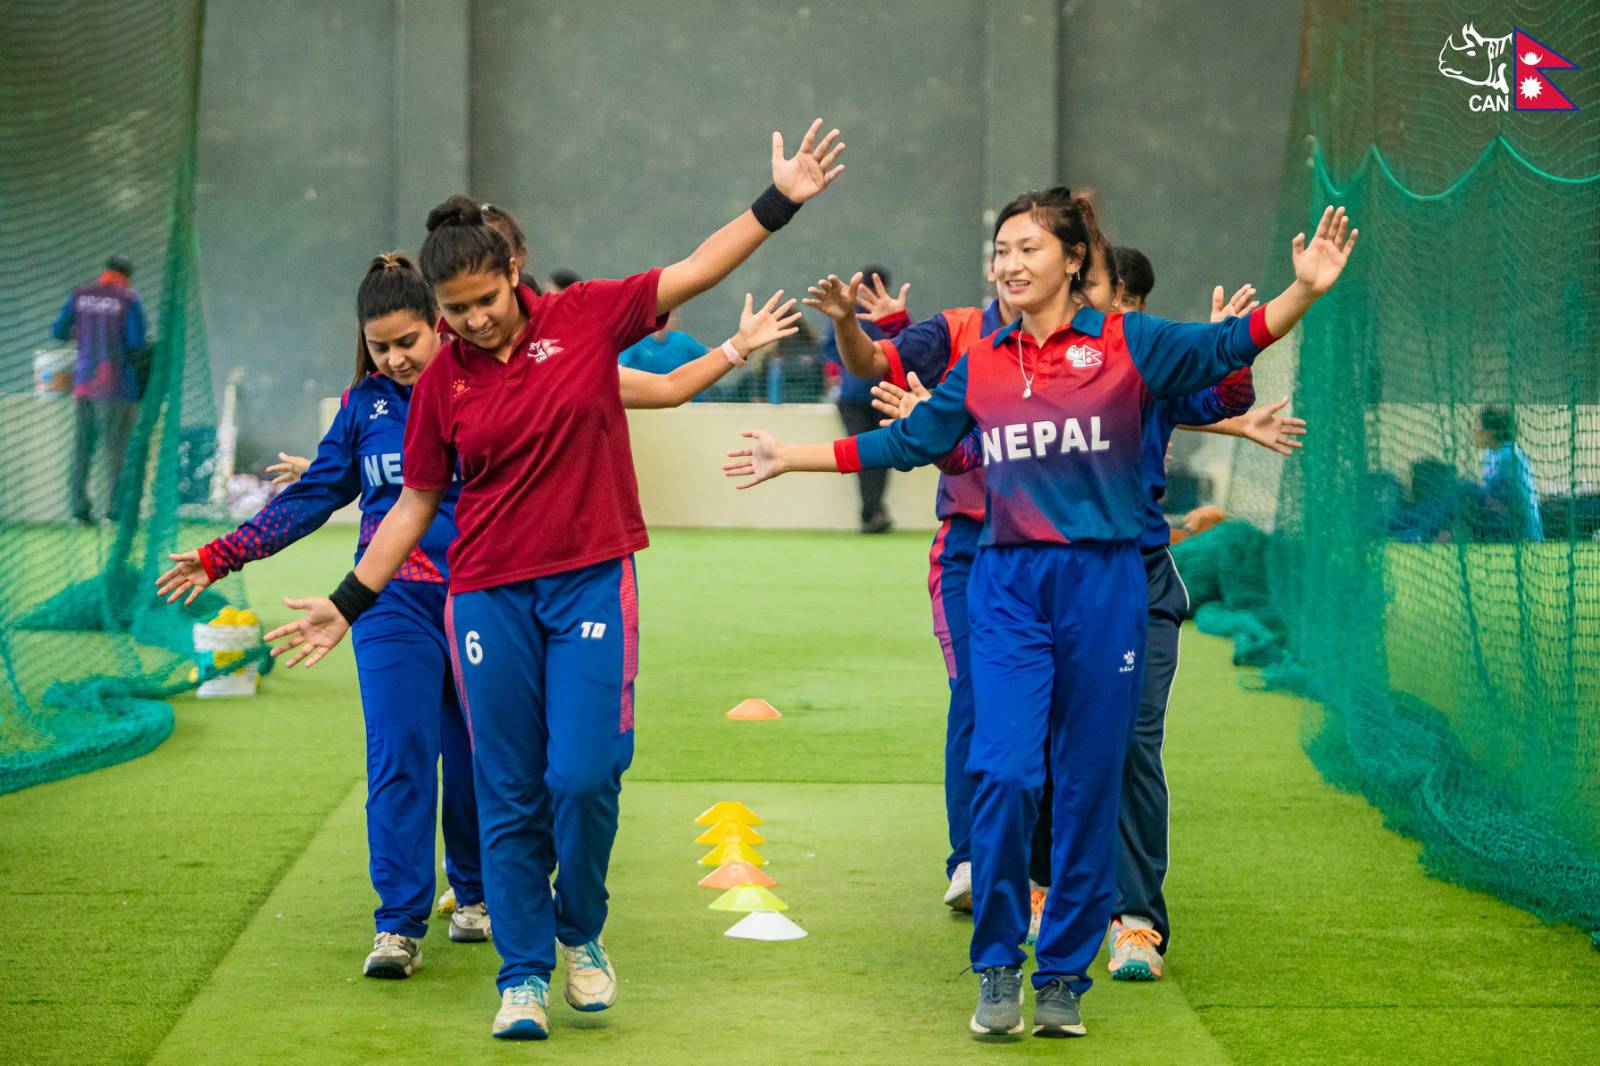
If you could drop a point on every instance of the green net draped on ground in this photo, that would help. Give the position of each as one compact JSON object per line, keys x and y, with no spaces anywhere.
{"x":1455,"y":650}
{"x":97,"y":158}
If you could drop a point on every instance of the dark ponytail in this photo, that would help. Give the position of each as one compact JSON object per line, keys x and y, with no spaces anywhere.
{"x":503,"y":221}
{"x":461,"y":241}
{"x":1071,"y":217}
{"x":392,"y":284}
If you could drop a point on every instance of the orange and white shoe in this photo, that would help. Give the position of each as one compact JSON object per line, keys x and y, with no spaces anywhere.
{"x":1036,"y":900}
{"x":1133,"y":950}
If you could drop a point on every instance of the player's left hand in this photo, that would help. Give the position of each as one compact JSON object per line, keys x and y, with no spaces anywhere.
{"x":1242,"y":303}
{"x":1318,"y":263}
{"x":896,"y":403}
{"x":313,"y":634}
{"x":759,"y":463}
{"x":768,"y":325}
{"x":877,"y":302}
{"x":812,"y":168}
{"x":1274,"y":431}
{"x":186,"y":575}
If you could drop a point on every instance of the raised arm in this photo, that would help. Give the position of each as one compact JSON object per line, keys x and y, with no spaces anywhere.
{"x":794,"y":181}
{"x":757,"y":329}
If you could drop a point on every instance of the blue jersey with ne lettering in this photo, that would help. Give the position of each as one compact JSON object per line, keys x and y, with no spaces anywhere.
{"x":359,"y":456}
{"x":1062,"y":425}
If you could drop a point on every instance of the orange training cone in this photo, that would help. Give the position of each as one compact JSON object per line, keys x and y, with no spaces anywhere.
{"x":754,"y":711}
{"x":728,"y":811}
{"x":730,"y":833}
{"x":724,"y":853}
{"x":733,"y":874}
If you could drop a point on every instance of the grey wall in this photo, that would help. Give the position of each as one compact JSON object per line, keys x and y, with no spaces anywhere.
{"x":622,"y":132}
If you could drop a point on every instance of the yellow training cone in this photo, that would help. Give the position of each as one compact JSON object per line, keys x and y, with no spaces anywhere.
{"x":733,"y":874}
{"x":754,"y":711}
{"x":728,"y":811}
{"x":732,"y":853}
{"x":748,"y":898}
{"x":730,"y":833}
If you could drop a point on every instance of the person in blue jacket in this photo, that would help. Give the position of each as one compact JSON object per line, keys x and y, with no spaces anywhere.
{"x":1059,"y":595}
{"x":408,"y":696}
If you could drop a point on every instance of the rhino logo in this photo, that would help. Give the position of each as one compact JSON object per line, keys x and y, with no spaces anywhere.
{"x":1475,"y":59}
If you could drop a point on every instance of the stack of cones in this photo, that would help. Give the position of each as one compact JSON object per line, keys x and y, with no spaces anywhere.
{"x":746,"y":890}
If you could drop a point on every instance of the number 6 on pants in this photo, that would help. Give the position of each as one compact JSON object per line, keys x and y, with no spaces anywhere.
{"x":546,"y":669}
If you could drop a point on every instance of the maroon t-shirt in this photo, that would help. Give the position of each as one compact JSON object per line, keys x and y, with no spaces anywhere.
{"x":541,"y":441}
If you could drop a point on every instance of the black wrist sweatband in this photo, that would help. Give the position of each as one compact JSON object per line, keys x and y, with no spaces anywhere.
{"x":773,"y":209}
{"x":352,"y":598}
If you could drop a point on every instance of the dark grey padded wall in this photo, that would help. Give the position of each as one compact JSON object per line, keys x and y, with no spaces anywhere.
{"x":623,"y":133}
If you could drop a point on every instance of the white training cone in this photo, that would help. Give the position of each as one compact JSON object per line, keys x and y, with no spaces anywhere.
{"x":765,"y":925}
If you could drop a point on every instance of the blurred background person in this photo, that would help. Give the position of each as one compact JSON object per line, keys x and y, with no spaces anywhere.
{"x":107,"y":319}
{"x":663,"y":351}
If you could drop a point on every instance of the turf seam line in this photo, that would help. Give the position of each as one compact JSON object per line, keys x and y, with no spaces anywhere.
{"x":267,"y":889}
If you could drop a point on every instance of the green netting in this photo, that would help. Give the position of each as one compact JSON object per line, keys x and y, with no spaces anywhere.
{"x":97,"y":157}
{"x":1457,"y":656}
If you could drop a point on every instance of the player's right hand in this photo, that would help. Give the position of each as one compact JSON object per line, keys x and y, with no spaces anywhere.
{"x":186,"y":575}
{"x":288,"y":469}
{"x":759,"y":463}
{"x":896,"y":403}
{"x":312,"y":635}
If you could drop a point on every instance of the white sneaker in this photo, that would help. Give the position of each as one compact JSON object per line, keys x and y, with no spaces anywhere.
{"x":393,"y":956}
{"x":522,"y":1014}
{"x":958,"y":897}
{"x":447,"y":901}
{"x":591,"y":982}
{"x":469,"y":924}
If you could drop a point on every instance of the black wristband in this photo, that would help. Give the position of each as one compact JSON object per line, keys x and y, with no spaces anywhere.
{"x":352,"y":598}
{"x":773,"y":209}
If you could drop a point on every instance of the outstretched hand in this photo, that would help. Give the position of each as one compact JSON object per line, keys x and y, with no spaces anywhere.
{"x":313,"y":634}
{"x":835,"y":298}
{"x":1273,"y":431}
{"x":812,"y":168}
{"x":186,"y":575}
{"x":877,"y":302}
{"x":896,"y":403}
{"x":758,"y":463}
{"x":1318,"y":263}
{"x":1240,"y":304}
{"x":768,"y":325}
{"x":289,"y":468}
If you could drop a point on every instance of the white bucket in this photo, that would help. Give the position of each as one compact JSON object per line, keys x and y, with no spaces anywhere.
{"x":218,"y":646}
{"x":52,"y":372}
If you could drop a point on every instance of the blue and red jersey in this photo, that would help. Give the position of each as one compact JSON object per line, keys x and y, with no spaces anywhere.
{"x":108,"y":320}
{"x":359,"y":456}
{"x":541,"y":440}
{"x":1062,"y":425}
{"x":1231,"y":396}
{"x":929,"y":349}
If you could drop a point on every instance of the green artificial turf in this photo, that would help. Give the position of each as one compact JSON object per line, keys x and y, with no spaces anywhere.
{"x":209,"y":902}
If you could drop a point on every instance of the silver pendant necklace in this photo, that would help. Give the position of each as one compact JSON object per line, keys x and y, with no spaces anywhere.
{"x":1027,"y":378}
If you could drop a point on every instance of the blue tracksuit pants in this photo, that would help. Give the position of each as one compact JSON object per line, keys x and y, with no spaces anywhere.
{"x":949,"y":568}
{"x":1058,"y":639}
{"x":547,"y":669}
{"x":408,"y":698}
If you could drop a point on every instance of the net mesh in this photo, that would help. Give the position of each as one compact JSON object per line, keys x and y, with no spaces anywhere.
{"x":1392,"y":572}
{"x":97,"y":158}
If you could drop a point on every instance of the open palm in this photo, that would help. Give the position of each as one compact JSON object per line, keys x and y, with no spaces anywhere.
{"x":834,"y":298}
{"x":1318,"y":263}
{"x":758,"y":463}
{"x":313,"y":634}
{"x":812,"y":168}
{"x":768,"y":325}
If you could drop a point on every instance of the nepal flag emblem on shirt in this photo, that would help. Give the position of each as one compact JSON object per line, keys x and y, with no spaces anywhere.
{"x":1082,"y":356}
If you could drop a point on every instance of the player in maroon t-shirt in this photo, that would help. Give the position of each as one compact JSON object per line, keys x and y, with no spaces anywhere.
{"x":523,"y":405}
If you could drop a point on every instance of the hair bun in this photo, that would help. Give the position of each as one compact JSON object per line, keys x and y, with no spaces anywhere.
{"x":456,"y":211}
